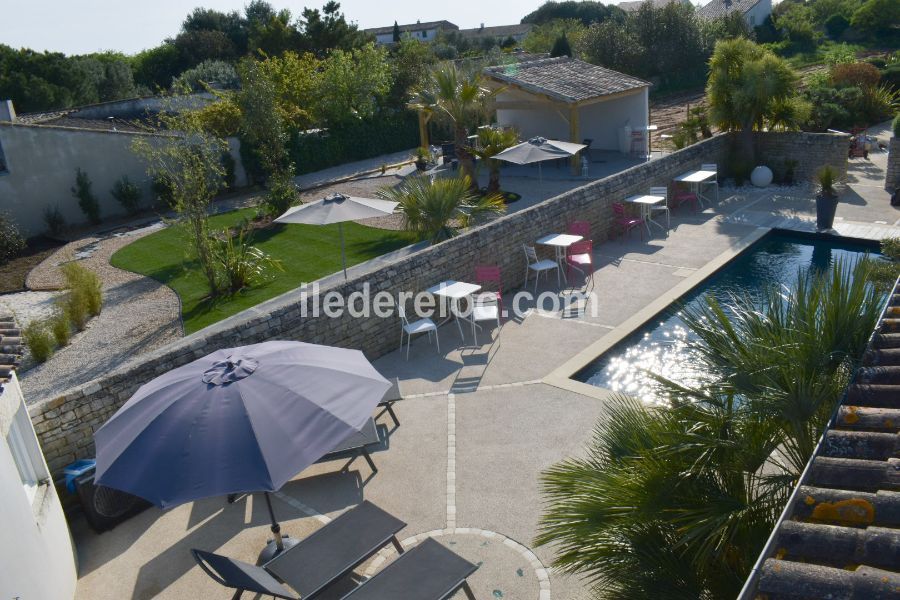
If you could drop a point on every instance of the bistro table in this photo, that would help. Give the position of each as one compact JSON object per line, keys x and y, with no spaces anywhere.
{"x":646,"y":202}
{"x":454,"y":291}
{"x":560,"y":241}
{"x":694,"y":179}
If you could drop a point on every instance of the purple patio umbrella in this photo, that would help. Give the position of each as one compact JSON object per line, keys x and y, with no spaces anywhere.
{"x":243,"y":419}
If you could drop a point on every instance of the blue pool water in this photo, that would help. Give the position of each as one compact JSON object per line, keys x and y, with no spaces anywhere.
{"x":660,"y":346}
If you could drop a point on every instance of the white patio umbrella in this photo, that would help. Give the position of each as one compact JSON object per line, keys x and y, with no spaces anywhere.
{"x":337,"y":208}
{"x":537,"y":150}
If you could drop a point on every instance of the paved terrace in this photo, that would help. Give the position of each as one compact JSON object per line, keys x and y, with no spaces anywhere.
{"x":478,"y":425}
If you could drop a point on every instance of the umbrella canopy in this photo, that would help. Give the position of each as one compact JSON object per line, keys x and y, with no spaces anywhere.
{"x":241,"y":419}
{"x":337,"y":208}
{"x":538,"y":149}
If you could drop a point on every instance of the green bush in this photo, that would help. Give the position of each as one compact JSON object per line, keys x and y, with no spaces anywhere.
{"x":127,"y":194}
{"x":11,"y":241}
{"x":84,"y":297}
{"x":38,"y":340}
{"x":836,"y":25}
{"x":86,"y":199}
{"x":281,"y":195}
{"x":54,"y":220}
{"x":162,"y":188}
{"x":60,"y":326}
{"x":240,"y":264}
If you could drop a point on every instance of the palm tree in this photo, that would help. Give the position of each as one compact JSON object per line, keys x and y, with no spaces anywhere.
{"x":677,"y":500}
{"x":491,"y":142}
{"x":436,"y":210}
{"x":746,"y":85}
{"x":460,"y":97}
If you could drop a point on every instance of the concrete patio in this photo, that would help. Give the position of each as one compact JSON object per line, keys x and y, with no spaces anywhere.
{"x":477,"y":425}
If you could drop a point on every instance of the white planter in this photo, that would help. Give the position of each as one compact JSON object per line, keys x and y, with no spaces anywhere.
{"x":761,"y":176}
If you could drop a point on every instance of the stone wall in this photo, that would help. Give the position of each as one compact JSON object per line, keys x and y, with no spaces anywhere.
{"x":810,"y":150}
{"x":66,"y":424}
{"x":892,"y":181}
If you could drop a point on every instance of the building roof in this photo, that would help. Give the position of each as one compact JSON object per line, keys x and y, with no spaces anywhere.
{"x":10,"y":348}
{"x":633,"y":5}
{"x":414,"y":27}
{"x":721,"y":8}
{"x":498,"y":31}
{"x":566,"y":79}
{"x":70,"y":118}
{"x":840,"y":536}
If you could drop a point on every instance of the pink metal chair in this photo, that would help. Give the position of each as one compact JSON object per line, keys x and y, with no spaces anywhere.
{"x":580,"y":257}
{"x":582,"y":228}
{"x":625,"y":221}
{"x":682,"y":195}
{"x":488,"y":277}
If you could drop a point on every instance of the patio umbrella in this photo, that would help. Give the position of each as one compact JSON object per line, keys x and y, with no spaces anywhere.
{"x":537,"y":150}
{"x":244,"y":419}
{"x":337,"y":208}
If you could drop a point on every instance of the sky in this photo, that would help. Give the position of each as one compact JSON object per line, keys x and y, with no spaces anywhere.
{"x":82,"y":26}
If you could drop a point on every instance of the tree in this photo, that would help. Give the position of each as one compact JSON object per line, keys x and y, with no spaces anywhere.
{"x":876,"y":17}
{"x":328,"y":29}
{"x":491,"y":142}
{"x":561,"y":47}
{"x":155,"y":68}
{"x":216,"y":73}
{"x":194,"y":47}
{"x":542,"y":37}
{"x":436,"y":210}
{"x":677,"y":500}
{"x":396,"y":33}
{"x":458,"y":96}
{"x":352,"y":84}
{"x":746,"y":84}
{"x":587,"y":12}
{"x":410,"y":63}
{"x":190,"y":165}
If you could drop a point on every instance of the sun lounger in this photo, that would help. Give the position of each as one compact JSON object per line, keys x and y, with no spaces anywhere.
{"x":387,"y":402}
{"x":314,"y":563}
{"x":357,"y":445}
{"x":427,"y":572}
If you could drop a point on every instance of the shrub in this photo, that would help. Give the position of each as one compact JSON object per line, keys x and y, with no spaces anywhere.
{"x":39,"y":340}
{"x":836,"y":25}
{"x":60,"y":325}
{"x":54,"y":220}
{"x":241,"y":265}
{"x":876,"y":16}
{"x":281,"y":195}
{"x":85,"y":295}
{"x":86,"y":199}
{"x":127,"y":194}
{"x":896,"y":126}
{"x":11,"y":241}
{"x":858,"y":74}
{"x":826,"y":177}
{"x":163,"y":188}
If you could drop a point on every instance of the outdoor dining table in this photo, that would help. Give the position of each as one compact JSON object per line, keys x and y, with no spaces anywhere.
{"x":694,"y":179}
{"x":453,"y":292}
{"x":646,"y":202}
{"x":559,"y":242}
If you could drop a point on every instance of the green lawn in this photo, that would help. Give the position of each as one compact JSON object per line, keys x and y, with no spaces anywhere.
{"x":306,"y":252}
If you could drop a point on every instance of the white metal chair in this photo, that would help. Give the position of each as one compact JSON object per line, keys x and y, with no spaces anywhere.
{"x":485,"y":307}
{"x":664,"y":207}
{"x":533,"y":264}
{"x":714,"y":181}
{"x":423,"y":325}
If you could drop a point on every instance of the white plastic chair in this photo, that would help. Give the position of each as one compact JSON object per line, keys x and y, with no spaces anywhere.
{"x":715,"y":181}
{"x":664,"y":207}
{"x":423,"y":325}
{"x":533,"y":264}
{"x":485,"y":307}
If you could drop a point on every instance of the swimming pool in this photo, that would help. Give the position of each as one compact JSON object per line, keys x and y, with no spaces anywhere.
{"x":661,"y":345}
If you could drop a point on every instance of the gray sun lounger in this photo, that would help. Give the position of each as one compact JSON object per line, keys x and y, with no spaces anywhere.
{"x":427,"y":572}
{"x":357,"y":445}
{"x":314,"y":563}
{"x":387,"y":402}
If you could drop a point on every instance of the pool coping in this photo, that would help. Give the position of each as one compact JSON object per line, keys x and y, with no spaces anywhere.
{"x":562,"y":376}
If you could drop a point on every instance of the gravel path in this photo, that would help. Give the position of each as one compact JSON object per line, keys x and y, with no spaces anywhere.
{"x":139,"y":314}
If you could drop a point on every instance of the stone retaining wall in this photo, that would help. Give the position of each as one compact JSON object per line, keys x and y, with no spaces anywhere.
{"x":892,"y":181}
{"x":810,"y":150}
{"x":66,"y":424}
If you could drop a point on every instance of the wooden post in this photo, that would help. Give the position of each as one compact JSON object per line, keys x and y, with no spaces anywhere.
{"x":423,"y":130}
{"x":574,"y":137}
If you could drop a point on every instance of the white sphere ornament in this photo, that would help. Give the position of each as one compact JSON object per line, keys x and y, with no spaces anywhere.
{"x":761,"y":176}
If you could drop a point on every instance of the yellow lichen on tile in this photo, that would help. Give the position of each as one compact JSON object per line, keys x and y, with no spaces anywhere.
{"x":853,"y":511}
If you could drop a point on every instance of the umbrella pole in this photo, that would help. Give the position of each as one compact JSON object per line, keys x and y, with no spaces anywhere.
{"x":276,"y":528}
{"x":343,"y":253}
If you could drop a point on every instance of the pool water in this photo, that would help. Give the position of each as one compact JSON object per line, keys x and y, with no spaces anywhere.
{"x":661,"y":345}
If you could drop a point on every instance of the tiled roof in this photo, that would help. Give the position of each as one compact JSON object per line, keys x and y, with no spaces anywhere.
{"x":498,"y":31}
{"x":70,"y":118}
{"x":841,"y":536}
{"x":633,"y":5}
{"x":414,"y":27}
{"x":720,"y":8}
{"x":567,"y":79}
{"x":10,"y":348}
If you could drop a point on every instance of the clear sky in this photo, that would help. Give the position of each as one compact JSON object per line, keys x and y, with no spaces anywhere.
{"x":81,"y":26}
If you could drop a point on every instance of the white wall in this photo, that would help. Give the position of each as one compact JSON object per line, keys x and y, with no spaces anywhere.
{"x":36,"y":556}
{"x":41,"y":163}
{"x":756,"y":15}
{"x":531,"y":122}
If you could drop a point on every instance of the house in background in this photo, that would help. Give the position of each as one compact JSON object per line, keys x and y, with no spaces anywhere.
{"x":499,"y":33}
{"x":37,"y":559}
{"x":571,"y":100}
{"x":634,"y":5}
{"x":424,"y":32}
{"x":754,"y":11}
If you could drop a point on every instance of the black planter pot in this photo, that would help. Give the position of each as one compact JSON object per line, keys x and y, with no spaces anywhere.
{"x":826,"y":206}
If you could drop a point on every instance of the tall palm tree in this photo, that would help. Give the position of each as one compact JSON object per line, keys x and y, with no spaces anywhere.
{"x":459,"y":96}
{"x":676,"y":501}
{"x":491,"y":142}
{"x":436,"y":210}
